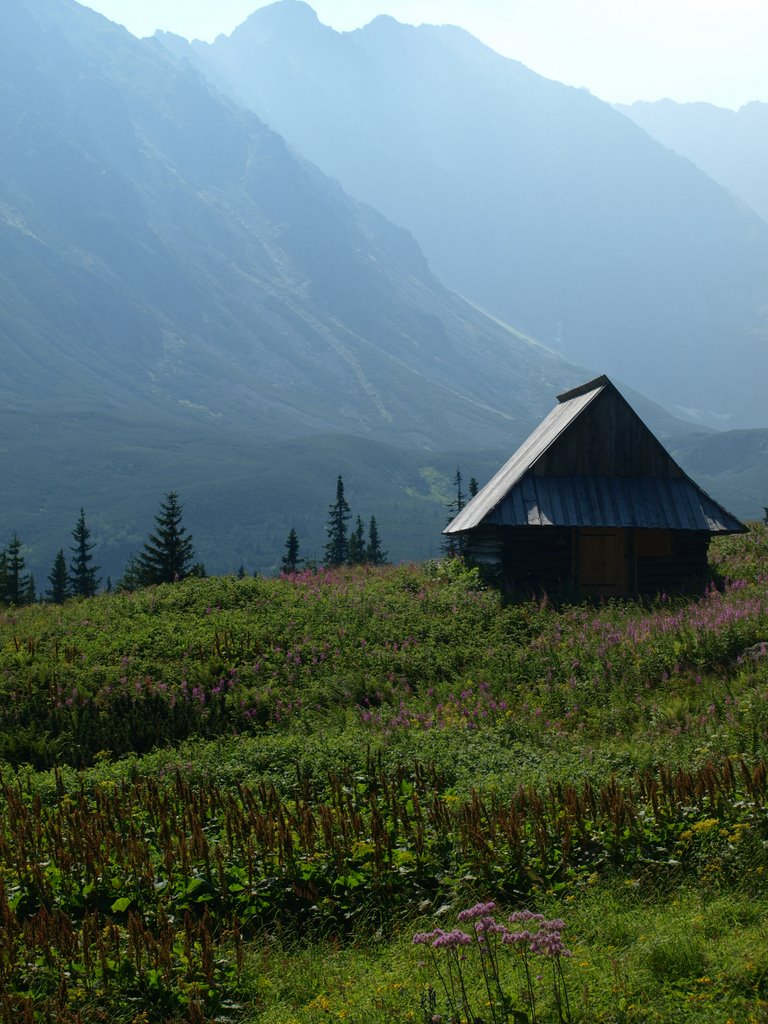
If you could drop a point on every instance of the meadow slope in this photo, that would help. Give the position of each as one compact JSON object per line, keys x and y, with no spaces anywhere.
{"x":238,"y":799}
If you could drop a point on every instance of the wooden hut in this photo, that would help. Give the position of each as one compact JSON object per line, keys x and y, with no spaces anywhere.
{"x":594,"y":506}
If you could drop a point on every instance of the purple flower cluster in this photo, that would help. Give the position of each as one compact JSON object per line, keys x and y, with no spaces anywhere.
{"x":440,"y":939}
{"x":479,"y":910}
{"x":544,"y":940}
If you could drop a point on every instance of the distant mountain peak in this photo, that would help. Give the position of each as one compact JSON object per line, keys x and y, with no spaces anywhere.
{"x":536,"y":200}
{"x":285,"y":14}
{"x":384,"y":21}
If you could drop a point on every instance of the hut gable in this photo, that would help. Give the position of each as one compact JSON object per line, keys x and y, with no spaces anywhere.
{"x":606,"y":439}
{"x":608,"y":494}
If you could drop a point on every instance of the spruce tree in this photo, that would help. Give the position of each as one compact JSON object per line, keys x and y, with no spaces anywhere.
{"x":16,"y":583}
{"x":474,"y":487}
{"x":3,"y":575}
{"x":84,"y":582}
{"x":373,"y":553}
{"x":461,"y":498}
{"x":132,"y":578}
{"x":291,"y":561}
{"x":356,"y":552}
{"x":59,"y":580}
{"x":337,"y":548}
{"x":168,"y":553}
{"x":453,"y":544}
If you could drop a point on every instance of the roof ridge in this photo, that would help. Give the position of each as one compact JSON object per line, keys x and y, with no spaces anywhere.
{"x":582,"y":389}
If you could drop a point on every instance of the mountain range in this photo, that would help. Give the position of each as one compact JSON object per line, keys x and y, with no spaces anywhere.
{"x":536,"y":201}
{"x":188,"y":303}
{"x":731,"y":146}
{"x":174,"y":277}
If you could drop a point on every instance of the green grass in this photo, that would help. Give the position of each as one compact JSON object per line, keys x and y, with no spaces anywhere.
{"x":238,"y":800}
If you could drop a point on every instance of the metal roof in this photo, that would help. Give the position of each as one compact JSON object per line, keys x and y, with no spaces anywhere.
{"x":486,"y":500}
{"x":647,"y":503}
{"x":516,"y":496}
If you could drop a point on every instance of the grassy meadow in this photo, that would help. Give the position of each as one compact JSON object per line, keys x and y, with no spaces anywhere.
{"x":239,"y":800}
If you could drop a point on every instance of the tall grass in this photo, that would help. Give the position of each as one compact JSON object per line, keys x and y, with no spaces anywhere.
{"x":227,"y":800}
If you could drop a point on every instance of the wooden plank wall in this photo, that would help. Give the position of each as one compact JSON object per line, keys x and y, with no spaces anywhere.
{"x":529,"y":559}
{"x":540,"y":559}
{"x":607,"y":439}
{"x":680,"y":570}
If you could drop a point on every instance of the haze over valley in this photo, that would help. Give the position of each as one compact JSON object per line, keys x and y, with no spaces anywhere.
{"x":238,"y":269}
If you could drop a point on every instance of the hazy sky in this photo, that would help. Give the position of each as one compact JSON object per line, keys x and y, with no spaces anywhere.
{"x":621,"y":50}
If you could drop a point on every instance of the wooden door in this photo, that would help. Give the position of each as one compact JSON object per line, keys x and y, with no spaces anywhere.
{"x":602,"y":566}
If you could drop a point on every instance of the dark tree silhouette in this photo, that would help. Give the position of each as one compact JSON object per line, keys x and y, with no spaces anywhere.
{"x":168,"y":553}
{"x":291,"y":561}
{"x":453,"y":544}
{"x":337,"y":548}
{"x":58,"y":578}
{"x":373,"y":552}
{"x":356,"y":553}
{"x":17,"y":586}
{"x":83,"y":579}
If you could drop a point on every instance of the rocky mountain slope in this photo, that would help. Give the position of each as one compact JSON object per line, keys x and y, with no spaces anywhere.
{"x":730,"y":146}
{"x":536,"y":201}
{"x":180,"y":293}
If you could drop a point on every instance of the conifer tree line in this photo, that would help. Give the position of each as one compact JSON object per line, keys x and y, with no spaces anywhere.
{"x":453,"y":545}
{"x":167,"y":556}
{"x":76,"y":579}
{"x":343,"y":546}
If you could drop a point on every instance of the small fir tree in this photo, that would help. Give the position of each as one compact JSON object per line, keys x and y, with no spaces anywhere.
{"x":3,"y":575}
{"x":373,"y":552}
{"x":461,"y":499}
{"x":337,"y":548}
{"x":290,"y":560}
{"x":84,"y":582}
{"x":453,"y":545}
{"x":168,"y":553}
{"x":474,"y":487}
{"x":356,"y":551}
{"x":58,"y":578}
{"x":132,"y":578}
{"x":16,"y":583}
